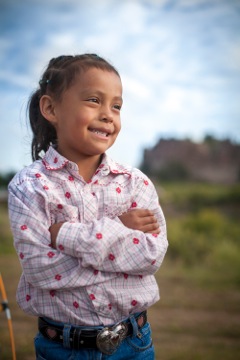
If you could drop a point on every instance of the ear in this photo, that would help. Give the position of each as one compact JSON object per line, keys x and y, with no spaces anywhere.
{"x":46,"y":105}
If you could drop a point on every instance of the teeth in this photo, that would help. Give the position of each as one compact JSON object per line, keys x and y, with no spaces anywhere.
{"x":99,"y":132}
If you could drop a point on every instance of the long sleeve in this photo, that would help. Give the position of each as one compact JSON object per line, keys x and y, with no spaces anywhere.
{"x":108,"y":245}
{"x":101,"y":270}
{"x":43,"y":266}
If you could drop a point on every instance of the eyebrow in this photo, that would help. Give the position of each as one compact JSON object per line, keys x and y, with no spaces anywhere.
{"x":99,"y":92}
{"x":118,"y":98}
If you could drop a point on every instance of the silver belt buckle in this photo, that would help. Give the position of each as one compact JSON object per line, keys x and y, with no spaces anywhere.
{"x":109,"y":338}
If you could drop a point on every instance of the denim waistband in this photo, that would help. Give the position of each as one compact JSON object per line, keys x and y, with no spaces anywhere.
{"x":76,"y":337}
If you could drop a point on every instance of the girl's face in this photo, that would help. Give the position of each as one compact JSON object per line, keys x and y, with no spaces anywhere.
{"x":87,"y":118}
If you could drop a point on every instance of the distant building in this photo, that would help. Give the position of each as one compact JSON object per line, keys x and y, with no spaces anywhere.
{"x":215,"y":161}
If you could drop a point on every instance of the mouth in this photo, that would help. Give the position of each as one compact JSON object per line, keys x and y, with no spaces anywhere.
{"x":101,"y":132}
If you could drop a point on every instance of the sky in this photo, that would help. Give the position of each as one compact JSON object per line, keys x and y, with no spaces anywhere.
{"x":179,"y":61}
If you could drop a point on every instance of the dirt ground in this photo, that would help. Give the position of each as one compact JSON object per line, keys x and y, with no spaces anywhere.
{"x":190,"y":322}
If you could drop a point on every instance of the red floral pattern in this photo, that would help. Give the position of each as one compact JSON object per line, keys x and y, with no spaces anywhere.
{"x":118,"y":256}
{"x":111,"y":257}
{"x":135,"y":241}
{"x":76,"y":304}
{"x":50,"y":254}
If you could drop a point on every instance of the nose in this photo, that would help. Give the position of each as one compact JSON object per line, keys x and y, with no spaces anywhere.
{"x":106,"y":119}
{"x":106,"y":115}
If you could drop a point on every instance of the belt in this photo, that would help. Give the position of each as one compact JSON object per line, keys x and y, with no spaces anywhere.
{"x":106,"y":339}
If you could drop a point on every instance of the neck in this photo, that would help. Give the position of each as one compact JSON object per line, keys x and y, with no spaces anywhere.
{"x":88,"y":166}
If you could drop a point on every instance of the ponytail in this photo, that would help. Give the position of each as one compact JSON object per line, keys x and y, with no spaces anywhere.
{"x":44,"y":134}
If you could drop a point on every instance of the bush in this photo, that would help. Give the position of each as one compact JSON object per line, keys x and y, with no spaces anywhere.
{"x":224,"y":260}
{"x":207,"y":235}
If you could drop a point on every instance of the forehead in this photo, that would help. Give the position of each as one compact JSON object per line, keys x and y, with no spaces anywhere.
{"x":99,"y":79}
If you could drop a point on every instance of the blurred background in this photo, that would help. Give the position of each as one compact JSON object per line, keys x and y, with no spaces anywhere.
{"x":180,"y":66}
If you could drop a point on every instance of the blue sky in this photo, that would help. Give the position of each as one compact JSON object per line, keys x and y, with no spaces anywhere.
{"x":179,"y":61}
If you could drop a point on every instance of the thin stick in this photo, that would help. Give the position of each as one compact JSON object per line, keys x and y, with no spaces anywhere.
{"x":4,"y":307}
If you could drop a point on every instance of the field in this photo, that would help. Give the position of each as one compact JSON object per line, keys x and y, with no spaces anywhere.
{"x":198,"y":315}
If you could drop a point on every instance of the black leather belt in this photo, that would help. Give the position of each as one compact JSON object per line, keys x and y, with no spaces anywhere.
{"x":106,"y":339}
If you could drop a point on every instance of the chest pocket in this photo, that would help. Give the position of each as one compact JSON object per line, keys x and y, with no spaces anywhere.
{"x":115,"y":200}
{"x":62,"y":213}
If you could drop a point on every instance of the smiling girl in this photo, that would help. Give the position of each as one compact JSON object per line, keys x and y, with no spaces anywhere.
{"x":86,"y":229}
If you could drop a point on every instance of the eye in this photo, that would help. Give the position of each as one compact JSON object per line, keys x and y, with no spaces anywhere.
{"x":117,"y":107}
{"x":94,"y":100}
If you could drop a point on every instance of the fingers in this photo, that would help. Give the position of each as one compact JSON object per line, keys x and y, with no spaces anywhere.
{"x":141,"y":212}
{"x":141,"y":219}
{"x":150,"y":225}
{"x":148,"y":219}
{"x":54,"y":229}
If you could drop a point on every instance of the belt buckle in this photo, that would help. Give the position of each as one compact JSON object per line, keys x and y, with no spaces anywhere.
{"x":109,"y":338}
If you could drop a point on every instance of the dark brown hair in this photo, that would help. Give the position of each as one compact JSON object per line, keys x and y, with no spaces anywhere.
{"x":58,"y":77}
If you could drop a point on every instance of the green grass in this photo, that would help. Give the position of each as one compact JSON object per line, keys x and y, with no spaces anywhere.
{"x":203,"y":229}
{"x":6,"y":241}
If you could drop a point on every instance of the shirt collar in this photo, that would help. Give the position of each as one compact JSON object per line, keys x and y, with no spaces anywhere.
{"x":52,"y":160}
{"x":110,"y":166}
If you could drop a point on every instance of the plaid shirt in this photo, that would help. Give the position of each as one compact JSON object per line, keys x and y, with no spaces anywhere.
{"x":101,"y":270}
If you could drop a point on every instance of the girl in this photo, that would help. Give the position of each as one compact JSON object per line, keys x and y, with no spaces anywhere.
{"x":86,"y":229}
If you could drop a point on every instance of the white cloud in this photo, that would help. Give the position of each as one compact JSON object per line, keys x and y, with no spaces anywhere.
{"x":135,"y":88}
{"x":15,"y":79}
{"x":232,"y":56}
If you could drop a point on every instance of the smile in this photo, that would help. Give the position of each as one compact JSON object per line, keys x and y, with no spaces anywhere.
{"x":100,"y":132}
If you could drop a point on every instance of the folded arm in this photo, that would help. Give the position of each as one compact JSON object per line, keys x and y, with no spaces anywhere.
{"x":131,"y":243}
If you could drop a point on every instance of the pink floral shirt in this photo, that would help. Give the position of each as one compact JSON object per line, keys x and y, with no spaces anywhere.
{"x":101,"y":271}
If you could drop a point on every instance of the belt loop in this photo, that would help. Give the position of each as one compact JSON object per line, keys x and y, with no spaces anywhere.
{"x":66,"y":336}
{"x":134,"y":325}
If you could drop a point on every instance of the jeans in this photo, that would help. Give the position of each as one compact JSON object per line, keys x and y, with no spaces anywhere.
{"x":135,"y":347}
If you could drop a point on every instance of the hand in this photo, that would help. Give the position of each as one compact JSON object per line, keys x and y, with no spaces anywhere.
{"x":54,"y":229}
{"x":140,"y":219}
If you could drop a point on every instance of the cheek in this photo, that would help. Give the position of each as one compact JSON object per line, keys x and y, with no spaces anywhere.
{"x":67,"y":128}
{"x":82,"y":119}
{"x":118,"y":127}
